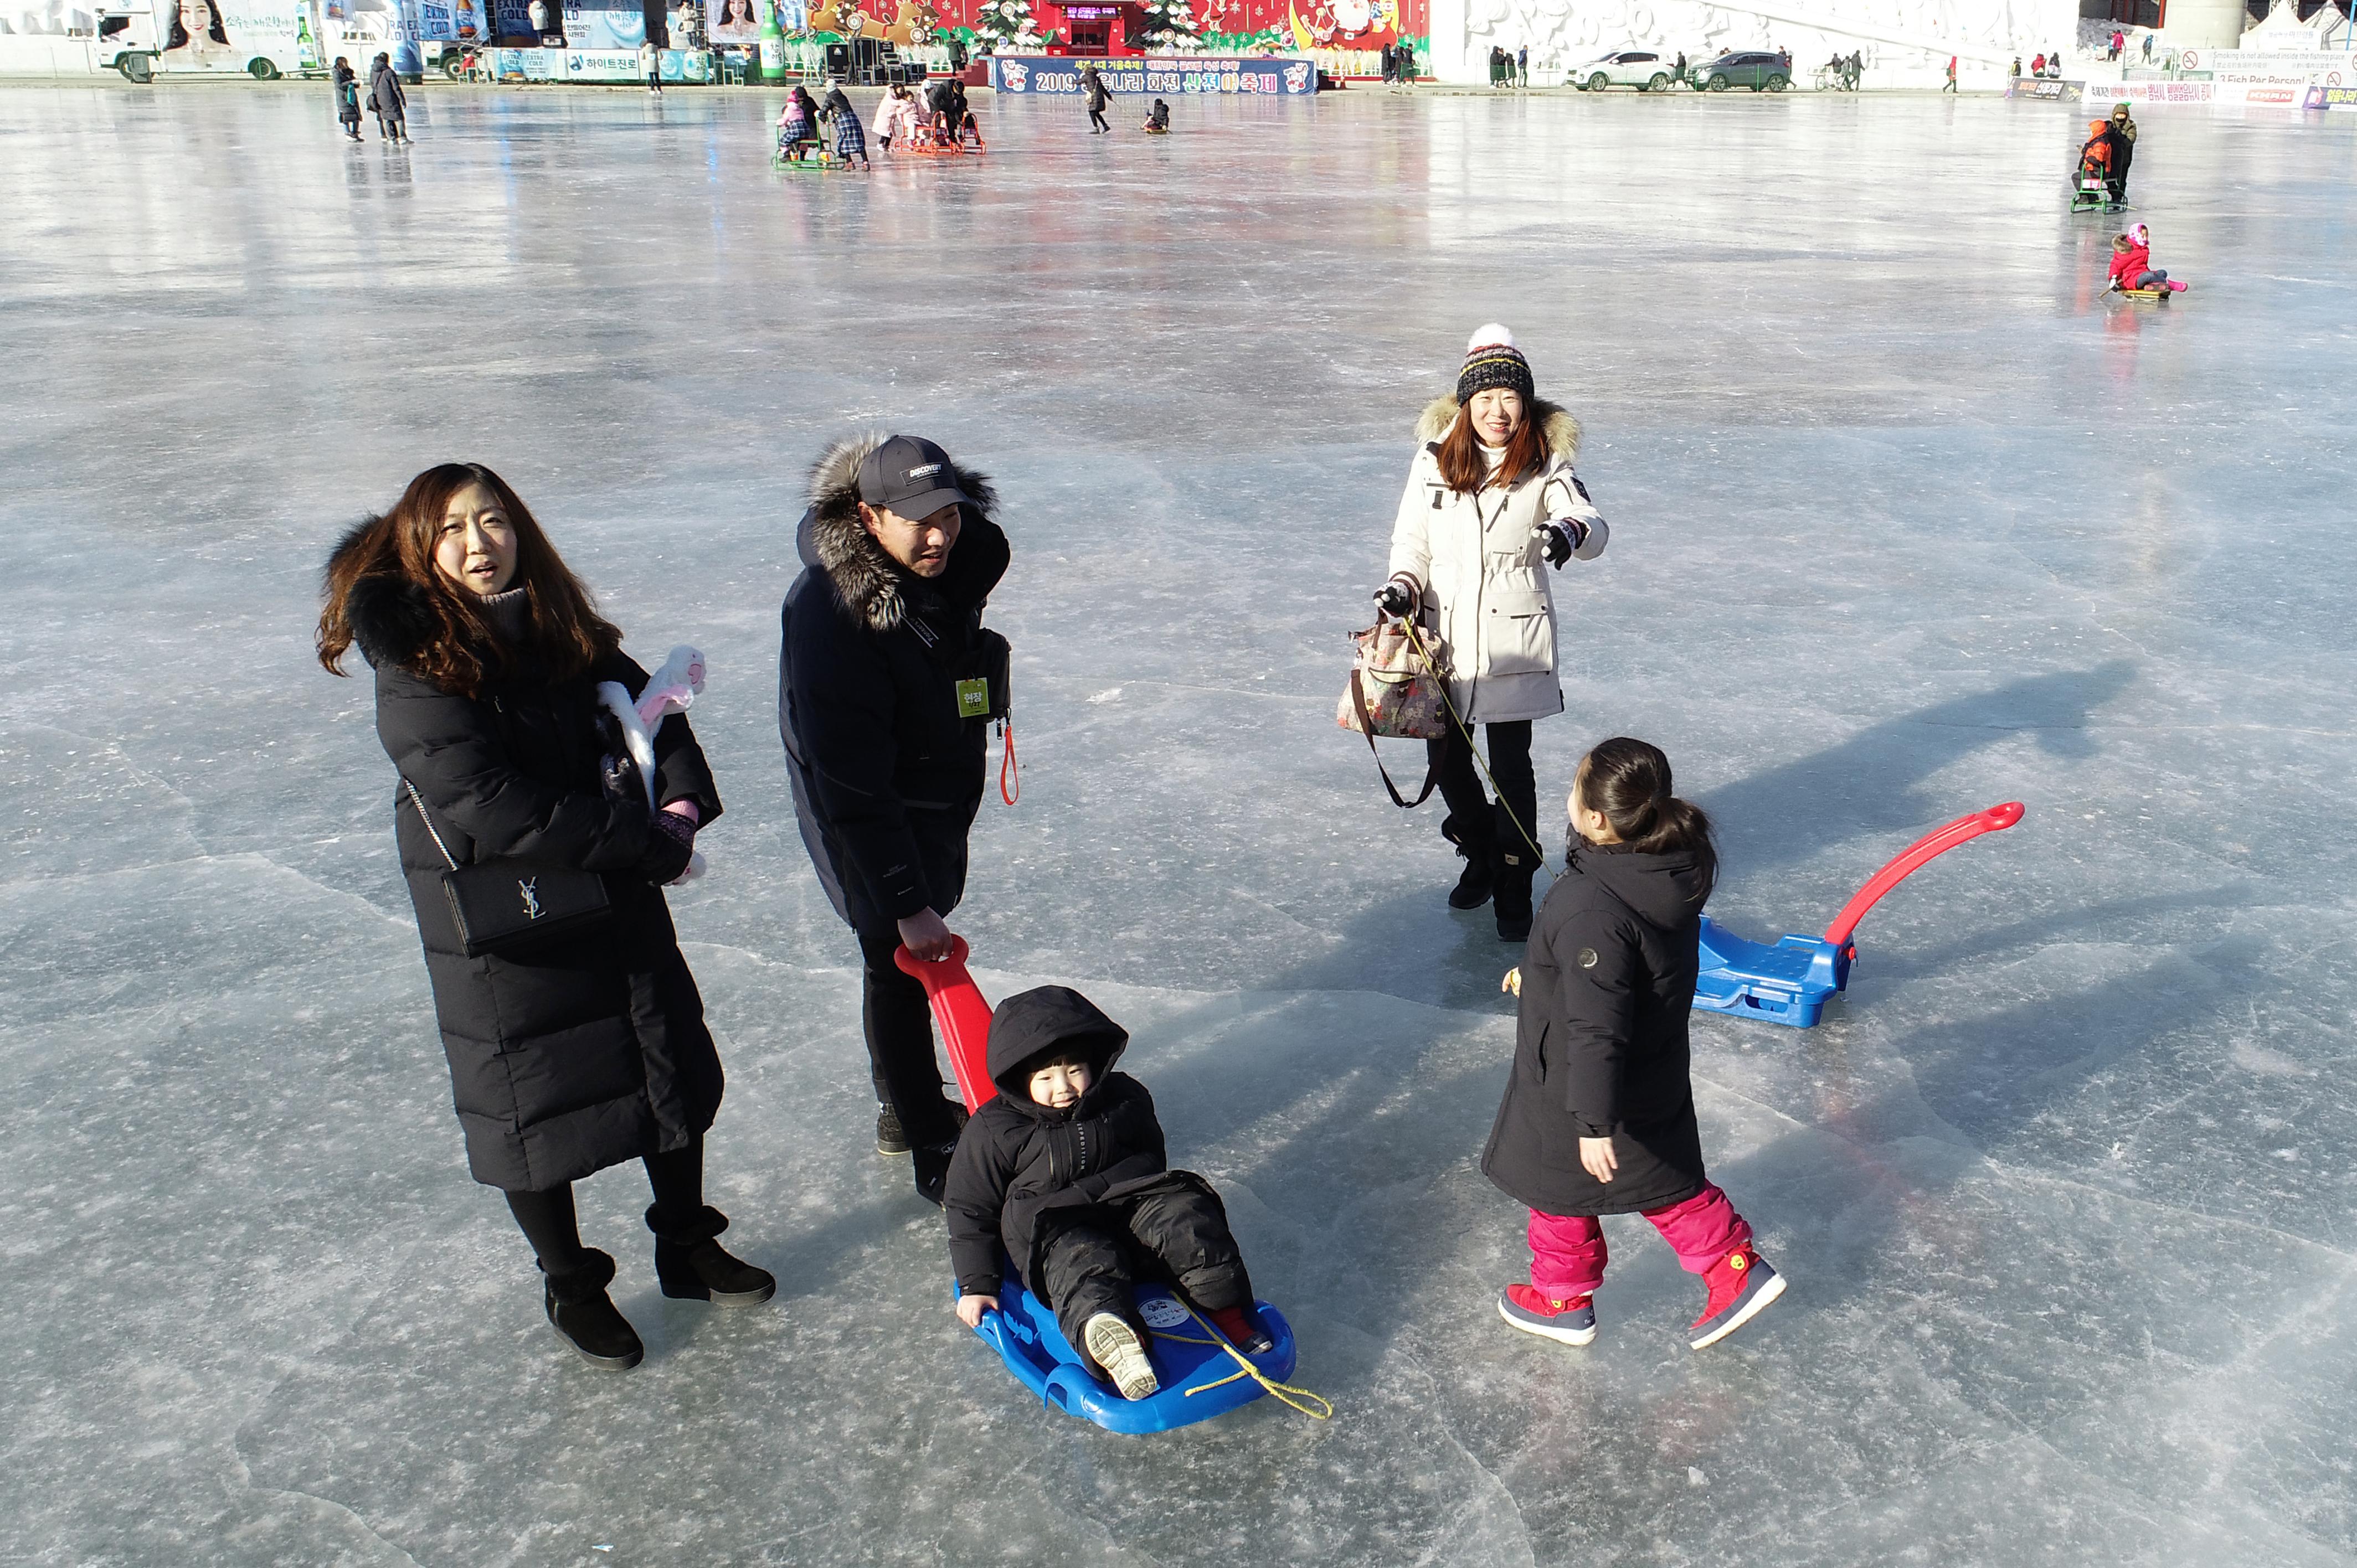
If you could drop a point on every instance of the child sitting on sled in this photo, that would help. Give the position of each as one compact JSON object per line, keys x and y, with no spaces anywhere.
{"x":1157,"y":119}
{"x":1065,"y":1168}
{"x":797,"y":127}
{"x":2132,"y":265}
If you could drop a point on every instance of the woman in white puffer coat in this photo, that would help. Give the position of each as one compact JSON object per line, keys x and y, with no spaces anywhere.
{"x":1490,"y":500}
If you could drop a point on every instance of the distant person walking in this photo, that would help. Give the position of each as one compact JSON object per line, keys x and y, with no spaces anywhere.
{"x":1951,"y":86}
{"x":387,"y":100}
{"x":1094,"y":85}
{"x":348,"y":98}
{"x":650,"y":67}
{"x":1522,"y":65}
{"x":2124,"y":139}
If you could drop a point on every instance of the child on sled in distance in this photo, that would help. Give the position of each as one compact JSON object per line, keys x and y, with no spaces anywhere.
{"x":2131,"y":264}
{"x":1599,"y":1114}
{"x":1065,"y":1168}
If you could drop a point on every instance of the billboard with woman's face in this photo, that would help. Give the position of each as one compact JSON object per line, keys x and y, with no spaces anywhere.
{"x":224,"y":34}
{"x":733,"y":21}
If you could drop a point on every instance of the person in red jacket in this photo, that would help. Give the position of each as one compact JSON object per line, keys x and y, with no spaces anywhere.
{"x":2131,"y":264}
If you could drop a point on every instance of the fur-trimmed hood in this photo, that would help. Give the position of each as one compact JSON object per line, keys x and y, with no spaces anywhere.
{"x":871,"y":584}
{"x":391,"y":618}
{"x":1561,"y":429}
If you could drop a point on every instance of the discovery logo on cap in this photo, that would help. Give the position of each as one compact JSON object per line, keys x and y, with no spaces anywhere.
{"x":911,"y":477}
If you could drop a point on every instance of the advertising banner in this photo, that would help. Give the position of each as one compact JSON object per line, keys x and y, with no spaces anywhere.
{"x":2274,"y":68}
{"x":528,"y":65}
{"x":601,"y":65}
{"x":2331,"y":97}
{"x":1186,"y":73}
{"x":596,"y":27}
{"x":224,"y":34}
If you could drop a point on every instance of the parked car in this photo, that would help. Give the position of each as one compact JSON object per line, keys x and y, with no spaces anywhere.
{"x":1755,"y":68}
{"x":1640,"y":69}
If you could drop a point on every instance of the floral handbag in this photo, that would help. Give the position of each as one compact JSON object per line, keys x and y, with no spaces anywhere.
{"x":1398,"y":689}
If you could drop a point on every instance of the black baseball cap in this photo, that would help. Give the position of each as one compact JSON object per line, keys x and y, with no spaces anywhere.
{"x":911,"y":476}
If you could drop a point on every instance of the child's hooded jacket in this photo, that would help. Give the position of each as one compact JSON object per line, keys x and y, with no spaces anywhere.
{"x":1608,"y":986}
{"x":1019,"y":1164}
{"x":2131,"y":263}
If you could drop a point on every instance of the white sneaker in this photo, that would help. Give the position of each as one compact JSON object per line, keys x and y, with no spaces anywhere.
{"x":1113,"y":1345}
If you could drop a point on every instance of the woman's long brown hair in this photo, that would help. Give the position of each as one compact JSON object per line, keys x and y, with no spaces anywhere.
{"x":564,"y":633}
{"x":1462,"y":465}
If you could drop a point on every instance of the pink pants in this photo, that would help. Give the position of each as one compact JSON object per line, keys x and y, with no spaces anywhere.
{"x":1567,"y":1253}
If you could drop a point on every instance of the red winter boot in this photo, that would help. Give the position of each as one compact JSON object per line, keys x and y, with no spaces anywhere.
{"x":1243,"y":1329}
{"x":1741,"y":1284}
{"x":1571,"y":1322}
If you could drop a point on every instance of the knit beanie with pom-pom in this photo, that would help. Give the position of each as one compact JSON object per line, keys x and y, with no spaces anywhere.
{"x":1493,"y":361}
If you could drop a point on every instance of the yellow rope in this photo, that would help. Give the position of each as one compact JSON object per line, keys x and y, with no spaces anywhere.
{"x":1415,"y":638}
{"x":1286,"y":1394}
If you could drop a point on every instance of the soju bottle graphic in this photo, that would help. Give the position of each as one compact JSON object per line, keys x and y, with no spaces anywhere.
{"x":306,"y":47}
{"x":772,"y":41}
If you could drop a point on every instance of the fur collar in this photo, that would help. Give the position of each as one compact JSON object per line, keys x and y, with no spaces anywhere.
{"x":1562,"y":431}
{"x":391,"y":619}
{"x":870,"y":584}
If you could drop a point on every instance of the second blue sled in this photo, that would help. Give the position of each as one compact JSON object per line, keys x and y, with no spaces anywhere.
{"x":1790,"y":981}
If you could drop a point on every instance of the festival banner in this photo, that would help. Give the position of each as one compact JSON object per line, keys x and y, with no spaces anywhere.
{"x":1174,"y":73}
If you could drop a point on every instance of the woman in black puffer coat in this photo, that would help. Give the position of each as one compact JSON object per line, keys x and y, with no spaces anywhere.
{"x":1599,"y":1114}
{"x":579,"y":1049}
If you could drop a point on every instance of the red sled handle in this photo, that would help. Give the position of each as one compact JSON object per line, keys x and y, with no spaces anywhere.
{"x":1930,"y":847}
{"x":964,"y":1017}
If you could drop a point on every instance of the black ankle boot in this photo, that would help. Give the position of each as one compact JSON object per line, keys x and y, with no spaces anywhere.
{"x":1518,"y":863}
{"x":577,"y":1308}
{"x":1473,"y":889}
{"x":691,"y":1266}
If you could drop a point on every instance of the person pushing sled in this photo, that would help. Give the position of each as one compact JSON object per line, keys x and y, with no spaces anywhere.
{"x":1065,"y":1167}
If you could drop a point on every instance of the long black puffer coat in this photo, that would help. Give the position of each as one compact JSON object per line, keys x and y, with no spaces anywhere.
{"x":1020,"y":1167}
{"x":1607,"y":986}
{"x":584,"y":1051}
{"x":887,"y":777}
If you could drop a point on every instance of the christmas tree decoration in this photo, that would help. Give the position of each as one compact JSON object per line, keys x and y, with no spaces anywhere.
{"x":1170,"y":25}
{"x":1008,"y":23}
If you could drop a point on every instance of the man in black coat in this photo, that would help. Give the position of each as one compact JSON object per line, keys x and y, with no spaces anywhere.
{"x":1072,"y":1180}
{"x":887,"y":684}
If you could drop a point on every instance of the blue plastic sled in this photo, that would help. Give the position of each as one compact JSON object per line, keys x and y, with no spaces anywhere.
{"x":1788,"y":984}
{"x":1200,"y":1379}
{"x":1199,"y":1376}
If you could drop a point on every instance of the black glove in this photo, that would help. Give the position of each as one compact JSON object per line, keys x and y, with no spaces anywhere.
{"x":618,"y":774}
{"x":1559,"y":538}
{"x":1393,"y":600}
{"x":670,"y":847}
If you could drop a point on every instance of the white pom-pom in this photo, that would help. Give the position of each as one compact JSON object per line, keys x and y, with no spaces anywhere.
{"x":1492,"y":335}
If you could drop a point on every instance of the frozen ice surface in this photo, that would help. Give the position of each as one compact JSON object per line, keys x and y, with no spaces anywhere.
{"x":1907,"y":521}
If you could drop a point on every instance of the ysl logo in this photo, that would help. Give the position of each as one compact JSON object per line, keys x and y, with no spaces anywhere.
{"x":531,"y":910}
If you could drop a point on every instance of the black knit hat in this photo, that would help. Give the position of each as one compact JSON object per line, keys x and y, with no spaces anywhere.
{"x":1493,"y":361}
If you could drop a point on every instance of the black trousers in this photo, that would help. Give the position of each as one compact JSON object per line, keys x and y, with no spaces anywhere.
{"x":1471,"y":822}
{"x":900,"y":1027}
{"x":550,"y":1223}
{"x":1097,"y":120}
{"x":1174,"y":1230}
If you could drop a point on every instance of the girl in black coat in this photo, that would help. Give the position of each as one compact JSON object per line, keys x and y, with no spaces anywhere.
{"x":1598,"y":1114}
{"x":582,"y":1048}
